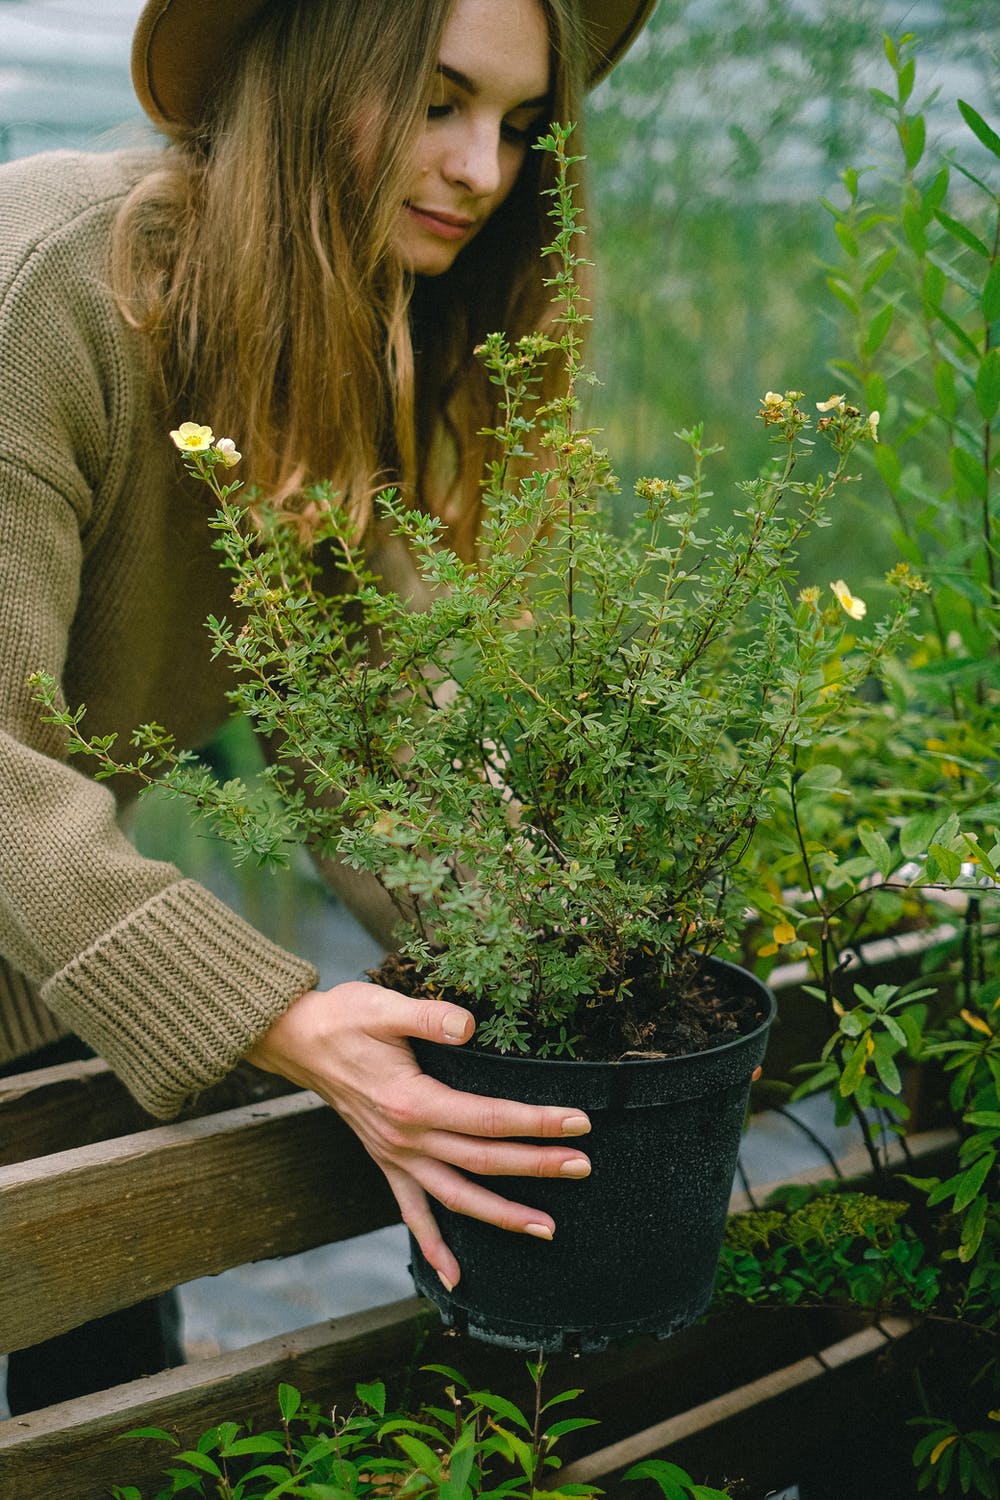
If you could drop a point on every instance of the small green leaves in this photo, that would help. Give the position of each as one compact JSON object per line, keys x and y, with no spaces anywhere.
{"x":988,"y":379}
{"x":983,"y":132}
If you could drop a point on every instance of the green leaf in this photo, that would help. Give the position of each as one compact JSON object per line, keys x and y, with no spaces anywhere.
{"x":914,"y":138}
{"x":501,"y":1407}
{"x":949,"y":863}
{"x":990,"y":301}
{"x":876,"y":393}
{"x":819,"y":778}
{"x":887,"y":463}
{"x":988,"y":384}
{"x":972,"y":1180}
{"x":460,"y":1462}
{"x":933,"y":290}
{"x":944,"y":386}
{"x":847,"y":239}
{"x":563,"y":1396}
{"x":674,"y":1483}
{"x":854,"y":1071}
{"x":289,"y":1401}
{"x":260,"y":1444}
{"x":969,"y":474}
{"x":917,"y":833}
{"x":372,"y":1395}
{"x":904,"y":79}
{"x":879,"y":267}
{"x":878,"y":850}
{"x":913,"y":228}
{"x":877,"y":330}
{"x":419,"y":1454}
{"x":569,"y":1424}
{"x":885,"y":1065}
{"x":202,"y":1462}
{"x":962,"y":233}
{"x":979,"y":127}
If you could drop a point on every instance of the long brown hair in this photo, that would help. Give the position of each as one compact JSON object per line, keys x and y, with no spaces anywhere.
{"x":258,"y":259}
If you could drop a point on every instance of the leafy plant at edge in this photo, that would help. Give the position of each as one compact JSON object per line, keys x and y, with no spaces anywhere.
{"x":474,"y":1445}
{"x":902,"y":810}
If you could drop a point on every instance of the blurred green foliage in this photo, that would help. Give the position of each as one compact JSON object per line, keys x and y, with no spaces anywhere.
{"x":709,"y":150}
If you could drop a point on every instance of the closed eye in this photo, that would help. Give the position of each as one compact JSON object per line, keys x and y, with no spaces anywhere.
{"x":521,"y":135}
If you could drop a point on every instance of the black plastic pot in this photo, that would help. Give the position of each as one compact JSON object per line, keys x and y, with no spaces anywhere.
{"x":637,"y":1242}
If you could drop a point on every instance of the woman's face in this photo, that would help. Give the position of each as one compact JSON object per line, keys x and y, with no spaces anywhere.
{"x":490,"y":96}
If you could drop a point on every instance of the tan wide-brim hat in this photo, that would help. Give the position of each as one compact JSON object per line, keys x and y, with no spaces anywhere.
{"x":179,"y":45}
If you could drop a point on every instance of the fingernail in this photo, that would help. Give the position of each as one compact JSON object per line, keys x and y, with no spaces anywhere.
{"x":578,"y":1167}
{"x":540,"y":1231}
{"x":455,"y":1026}
{"x":449,"y":1286}
{"x":576,"y":1125}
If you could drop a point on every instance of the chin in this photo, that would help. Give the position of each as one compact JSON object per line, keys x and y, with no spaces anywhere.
{"x":429,"y":263}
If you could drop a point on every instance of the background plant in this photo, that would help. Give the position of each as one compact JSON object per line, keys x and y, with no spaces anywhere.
{"x":903,"y":810}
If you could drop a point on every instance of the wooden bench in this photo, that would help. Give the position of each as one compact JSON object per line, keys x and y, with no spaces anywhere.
{"x":102,"y":1207}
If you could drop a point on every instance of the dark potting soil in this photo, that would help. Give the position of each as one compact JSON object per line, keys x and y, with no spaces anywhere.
{"x":642,"y":1019}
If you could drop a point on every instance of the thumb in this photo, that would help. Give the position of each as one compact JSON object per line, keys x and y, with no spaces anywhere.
{"x":450,"y":1024}
{"x":432,"y":1020}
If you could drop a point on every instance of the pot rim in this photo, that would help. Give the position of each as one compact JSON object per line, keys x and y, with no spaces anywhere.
{"x":469,"y":1049}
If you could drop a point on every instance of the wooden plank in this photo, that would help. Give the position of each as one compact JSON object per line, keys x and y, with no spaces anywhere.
{"x":75,"y":1104}
{"x":699,"y":1420}
{"x":54,"y":1109}
{"x":87,"y":1231}
{"x":74,"y":1450}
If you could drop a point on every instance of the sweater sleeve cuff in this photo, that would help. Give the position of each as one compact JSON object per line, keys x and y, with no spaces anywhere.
{"x":173,"y":997}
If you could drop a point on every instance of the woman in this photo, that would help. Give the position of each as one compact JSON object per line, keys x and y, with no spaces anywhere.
{"x":349,"y":203}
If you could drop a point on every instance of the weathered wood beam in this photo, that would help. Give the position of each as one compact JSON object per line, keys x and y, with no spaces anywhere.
{"x":86,"y":1231}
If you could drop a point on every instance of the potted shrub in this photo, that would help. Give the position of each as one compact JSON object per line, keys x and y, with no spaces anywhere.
{"x":553,"y":767}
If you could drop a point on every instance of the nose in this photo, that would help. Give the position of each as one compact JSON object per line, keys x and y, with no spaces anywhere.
{"x":474,"y":163}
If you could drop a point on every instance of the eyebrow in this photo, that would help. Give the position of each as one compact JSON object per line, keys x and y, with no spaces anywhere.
{"x":464,"y":82}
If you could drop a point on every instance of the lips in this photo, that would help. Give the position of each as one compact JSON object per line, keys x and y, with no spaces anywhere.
{"x":435,"y":221}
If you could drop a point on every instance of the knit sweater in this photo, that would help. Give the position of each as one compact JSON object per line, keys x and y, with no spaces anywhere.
{"x":106,"y":578}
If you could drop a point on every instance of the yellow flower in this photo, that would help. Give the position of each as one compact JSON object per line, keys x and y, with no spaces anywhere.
{"x":782,"y":934}
{"x":856,"y":608}
{"x":189,"y":437}
{"x":226,"y":449}
{"x":771,"y":398}
{"x":873,"y":425}
{"x":829,"y":404}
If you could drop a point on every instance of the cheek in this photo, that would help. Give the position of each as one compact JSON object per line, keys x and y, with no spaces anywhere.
{"x":511,"y":166}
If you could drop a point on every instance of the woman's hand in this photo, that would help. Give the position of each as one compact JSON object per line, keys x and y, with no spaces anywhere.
{"x":349,"y":1044}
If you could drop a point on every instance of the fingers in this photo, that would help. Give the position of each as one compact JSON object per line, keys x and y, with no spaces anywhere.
{"x":419,"y":1220}
{"x":475,"y":1201}
{"x":427,"y":1103}
{"x":491,"y":1158}
{"x":462,"y":1197}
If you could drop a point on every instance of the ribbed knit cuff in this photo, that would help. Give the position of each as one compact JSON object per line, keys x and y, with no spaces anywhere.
{"x":176,"y":995}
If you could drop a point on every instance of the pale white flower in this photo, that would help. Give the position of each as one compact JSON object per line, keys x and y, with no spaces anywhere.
{"x":829,"y":404}
{"x":873,"y":425}
{"x":849,"y":603}
{"x":190,"y":437}
{"x":226,"y":449}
